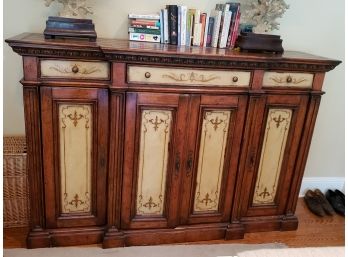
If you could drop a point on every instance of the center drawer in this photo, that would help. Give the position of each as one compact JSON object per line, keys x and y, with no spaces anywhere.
{"x":187,"y":76}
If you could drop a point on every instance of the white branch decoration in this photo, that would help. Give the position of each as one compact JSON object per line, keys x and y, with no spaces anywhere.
{"x":72,"y":8}
{"x":262,"y":14}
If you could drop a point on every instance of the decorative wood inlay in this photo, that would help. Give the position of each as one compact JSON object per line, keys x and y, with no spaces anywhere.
{"x":213,"y":141}
{"x":273,"y":147}
{"x":187,"y":76}
{"x":75,"y":136}
{"x":296,"y":80}
{"x":75,"y":69}
{"x":153,"y":160}
{"x":192,"y":77}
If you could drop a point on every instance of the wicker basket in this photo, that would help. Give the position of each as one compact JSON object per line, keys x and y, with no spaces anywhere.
{"x":16,"y":193}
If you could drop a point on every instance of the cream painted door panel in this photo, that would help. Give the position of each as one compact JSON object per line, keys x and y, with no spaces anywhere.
{"x":75,"y":145}
{"x":152,"y":159}
{"x":270,"y":162}
{"x":212,"y":157}
{"x":187,"y":76}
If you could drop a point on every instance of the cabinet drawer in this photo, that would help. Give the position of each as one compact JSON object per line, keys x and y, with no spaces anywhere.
{"x":187,"y":77}
{"x":75,"y":69}
{"x":280,"y":79}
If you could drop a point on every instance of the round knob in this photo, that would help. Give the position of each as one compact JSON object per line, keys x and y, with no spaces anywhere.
{"x":75,"y":69}
{"x":147,"y":75}
{"x":289,"y":79}
{"x":235,"y":79}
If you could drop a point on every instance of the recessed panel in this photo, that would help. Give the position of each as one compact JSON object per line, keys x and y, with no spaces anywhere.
{"x":75,"y":143}
{"x":273,"y":147}
{"x":213,"y":141}
{"x":153,"y":161}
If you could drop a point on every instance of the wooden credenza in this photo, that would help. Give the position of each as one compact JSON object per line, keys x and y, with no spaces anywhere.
{"x":134,"y":143}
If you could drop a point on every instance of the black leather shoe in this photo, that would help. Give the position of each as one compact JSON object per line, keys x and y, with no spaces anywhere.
{"x":336,"y":201}
{"x":324,"y":202}
{"x":338,"y":192}
{"x":313,"y":203}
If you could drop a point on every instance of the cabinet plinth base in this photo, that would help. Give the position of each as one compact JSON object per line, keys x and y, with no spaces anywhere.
{"x":270,"y":223}
{"x":234,"y":231}
{"x":289,"y":222}
{"x":38,"y":238}
{"x":113,"y":238}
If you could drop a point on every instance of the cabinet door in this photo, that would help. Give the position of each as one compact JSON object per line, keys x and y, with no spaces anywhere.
{"x":155,"y":127}
{"x":271,"y":152}
{"x":210,"y":164}
{"x":75,"y":133}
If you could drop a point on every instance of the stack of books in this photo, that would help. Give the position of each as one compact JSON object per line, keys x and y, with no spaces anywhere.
{"x":179,"y":25}
{"x":144,"y":27}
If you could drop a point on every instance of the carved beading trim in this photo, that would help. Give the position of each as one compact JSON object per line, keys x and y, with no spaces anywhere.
{"x":173,"y":60}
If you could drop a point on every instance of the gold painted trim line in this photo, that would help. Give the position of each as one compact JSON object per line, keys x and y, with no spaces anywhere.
{"x":190,"y":77}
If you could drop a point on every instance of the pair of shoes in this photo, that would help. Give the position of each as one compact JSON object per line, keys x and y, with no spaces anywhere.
{"x":336,"y":199}
{"x":317,"y":203}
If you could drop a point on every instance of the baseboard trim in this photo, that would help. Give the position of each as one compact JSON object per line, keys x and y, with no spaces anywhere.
{"x":322,"y":183}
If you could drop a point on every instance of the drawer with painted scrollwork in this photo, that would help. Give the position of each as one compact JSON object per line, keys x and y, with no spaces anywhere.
{"x":187,"y":76}
{"x":74,"y":69}
{"x":286,"y":79}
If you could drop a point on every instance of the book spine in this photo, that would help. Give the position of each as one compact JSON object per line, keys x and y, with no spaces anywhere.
{"x":144,"y":26}
{"x":179,"y":24}
{"x":234,"y":8}
{"x":189,"y":27}
{"x":165,"y":26}
{"x":144,"y":37}
{"x":206,"y":30}
{"x":183,"y":25}
{"x":203,"y":20}
{"x":145,"y":31}
{"x":144,"y":16}
{"x":145,"y":23}
{"x":210,"y":31}
{"x":197,"y":34}
{"x":225,"y":29}
{"x":161,"y":21}
{"x":173,"y":24}
{"x":235,"y":30}
{"x":216,"y":30}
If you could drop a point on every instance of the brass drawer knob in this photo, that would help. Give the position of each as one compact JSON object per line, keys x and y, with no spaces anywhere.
{"x":75,"y":69}
{"x":289,"y":79}
{"x":147,"y":75}
{"x":235,"y":79}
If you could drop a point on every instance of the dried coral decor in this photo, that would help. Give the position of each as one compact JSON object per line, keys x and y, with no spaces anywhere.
{"x":132,"y":143}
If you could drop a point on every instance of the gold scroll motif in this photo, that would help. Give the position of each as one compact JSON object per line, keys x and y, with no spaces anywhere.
{"x":288,"y":79}
{"x":153,"y":160}
{"x":75,"y":69}
{"x":273,"y":147}
{"x":75,"y":141}
{"x":192,"y":77}
{"x":211,"y":159}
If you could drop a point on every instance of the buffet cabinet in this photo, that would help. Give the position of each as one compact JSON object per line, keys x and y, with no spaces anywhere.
{"x":134,"y":143}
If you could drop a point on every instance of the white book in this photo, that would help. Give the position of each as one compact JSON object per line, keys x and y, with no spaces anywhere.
{"x":197,"y":31}
{"x":144,"y":16}
{"x":183,"y":25}
{"x":215,"y":37}
{"x":162,"y":27}
{"x":179,"y":24}
{"x":165,"y":26}
{"x":144,"y":37}
{"x":197,"y":16}
{"x":206,"y":30}
{"x":225,"y":29}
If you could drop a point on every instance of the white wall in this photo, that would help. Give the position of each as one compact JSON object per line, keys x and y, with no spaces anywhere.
{"x":313,"y":26}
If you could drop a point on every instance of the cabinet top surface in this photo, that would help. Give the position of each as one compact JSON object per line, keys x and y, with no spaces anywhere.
{"x":124,"y":50}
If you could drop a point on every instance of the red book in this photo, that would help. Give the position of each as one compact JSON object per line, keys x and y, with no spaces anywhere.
{"x":203,"y":20}
{"x":235,"y":30}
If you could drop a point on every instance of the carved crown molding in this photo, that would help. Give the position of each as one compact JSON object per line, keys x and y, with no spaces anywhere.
{"x":172,"y":60}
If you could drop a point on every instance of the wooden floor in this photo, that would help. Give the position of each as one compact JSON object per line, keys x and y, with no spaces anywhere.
{"x":312,"y":231}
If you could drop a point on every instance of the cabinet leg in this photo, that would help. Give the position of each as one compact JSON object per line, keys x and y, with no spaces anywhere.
{"x":289,"y":222}
{"x":38,"y":238}
{"x":113,"y":238}
{"x":235,"y":231}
